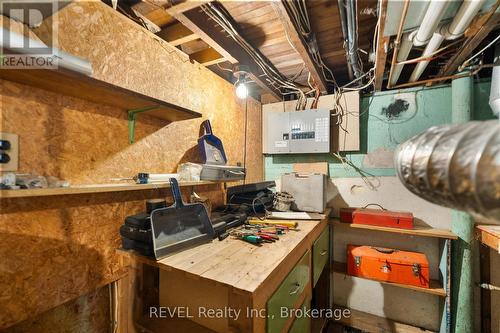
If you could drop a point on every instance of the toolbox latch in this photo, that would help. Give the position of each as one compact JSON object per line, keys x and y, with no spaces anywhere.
{"x":357,"y":261}
{"x":416,"y":269}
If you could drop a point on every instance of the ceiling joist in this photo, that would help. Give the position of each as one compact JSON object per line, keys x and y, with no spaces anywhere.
{"x":177,"y":34}
{"x":207,"y":57}
{"x":300,"y":44}
{"x":202,"y":25}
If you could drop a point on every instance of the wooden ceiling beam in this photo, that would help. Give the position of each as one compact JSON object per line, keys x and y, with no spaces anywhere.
{"x":202,"y":25}
{"x":184,"y":6}
{"x":177,"y":34}
{"x":207,"y":57}
{"x":300,"y":44}
{"x":478,"y":31}
{"x":382,"y":47}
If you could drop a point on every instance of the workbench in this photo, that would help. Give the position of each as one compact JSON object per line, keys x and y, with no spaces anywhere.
{"x":211,"y":283}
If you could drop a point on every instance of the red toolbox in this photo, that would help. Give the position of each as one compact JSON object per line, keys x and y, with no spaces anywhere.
{"x":390,"y":265}
{"x":378,"y":217}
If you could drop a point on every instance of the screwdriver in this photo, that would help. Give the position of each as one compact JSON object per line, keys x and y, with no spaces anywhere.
{"x":252,"y":239}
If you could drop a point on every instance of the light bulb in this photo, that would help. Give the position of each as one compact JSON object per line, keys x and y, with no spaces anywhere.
{"x":241,"y":90}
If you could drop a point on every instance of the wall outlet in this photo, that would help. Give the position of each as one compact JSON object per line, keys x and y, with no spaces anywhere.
{"x":13,"y":152}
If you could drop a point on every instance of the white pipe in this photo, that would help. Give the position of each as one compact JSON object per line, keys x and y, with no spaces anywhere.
{"x":495,"y":84}
{"x":463,"y":18}
{"x":432,"y":46}
{"x":404,"y":52}
{"x":430,"y":22}
{"x":453,"y":30}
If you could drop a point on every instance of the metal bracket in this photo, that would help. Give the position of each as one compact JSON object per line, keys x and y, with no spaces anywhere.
{"x":416,"y":269}
{"x":132,"y":115}
{"x":357,"y":261}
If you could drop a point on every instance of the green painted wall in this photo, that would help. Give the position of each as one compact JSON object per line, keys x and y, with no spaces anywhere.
{"x":432,"y":107}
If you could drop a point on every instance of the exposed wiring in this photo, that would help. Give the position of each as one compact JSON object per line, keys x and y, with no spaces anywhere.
{"x":272,"y":75}
{"x":466,"y":62}
{"x":224,"y":69}
{"x":372,"y":181}
{"x":429,"y":56}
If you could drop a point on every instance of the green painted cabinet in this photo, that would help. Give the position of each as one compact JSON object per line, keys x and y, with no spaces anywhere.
{"x":302,"y":324}
{"x":321,"y":249}
{"x":287,"y":294}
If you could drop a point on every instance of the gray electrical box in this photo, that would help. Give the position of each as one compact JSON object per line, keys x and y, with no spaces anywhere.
{"x":296,"y":132}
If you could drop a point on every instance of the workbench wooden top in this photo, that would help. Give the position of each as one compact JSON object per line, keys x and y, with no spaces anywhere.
{"x":239,"y":264}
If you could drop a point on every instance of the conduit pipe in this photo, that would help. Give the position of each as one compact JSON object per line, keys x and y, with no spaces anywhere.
{"x":343,"y":21}
{"x":419,"y":37}
{"x":450,"y":31}
{"x":348,"y":11}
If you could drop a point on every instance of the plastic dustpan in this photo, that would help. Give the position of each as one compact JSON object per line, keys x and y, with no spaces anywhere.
{"x":179,"y":226}
{"x":210,"y":146}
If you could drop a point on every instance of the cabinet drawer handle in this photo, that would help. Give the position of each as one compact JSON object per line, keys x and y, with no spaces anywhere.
{"x":296,"y":289}
{"x":323,"y":252}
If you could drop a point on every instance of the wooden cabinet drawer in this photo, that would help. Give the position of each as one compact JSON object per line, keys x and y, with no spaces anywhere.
{"x":302,"y":324}
{"x":288,"y":293}
{"x":321,"y":249}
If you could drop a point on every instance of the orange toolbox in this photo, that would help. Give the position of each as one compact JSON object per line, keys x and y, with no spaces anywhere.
{"x":379,"y":217}
{"x":390,"y":265}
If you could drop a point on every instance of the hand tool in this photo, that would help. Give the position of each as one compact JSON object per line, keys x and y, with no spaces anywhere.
{"x":290,"y":224}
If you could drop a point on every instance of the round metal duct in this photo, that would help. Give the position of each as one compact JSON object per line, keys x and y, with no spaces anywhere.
{"x":456,"y":166}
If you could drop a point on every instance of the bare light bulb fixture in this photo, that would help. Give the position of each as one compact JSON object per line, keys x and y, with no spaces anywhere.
{"x":241,"y":89}
{"x":240,"y":72}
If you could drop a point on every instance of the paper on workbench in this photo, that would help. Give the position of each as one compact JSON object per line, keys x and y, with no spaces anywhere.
{"x":295,"y":216}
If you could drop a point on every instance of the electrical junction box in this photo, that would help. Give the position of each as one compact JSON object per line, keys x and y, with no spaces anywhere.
{"x":296,"y":132}
{"x":9,"y":149}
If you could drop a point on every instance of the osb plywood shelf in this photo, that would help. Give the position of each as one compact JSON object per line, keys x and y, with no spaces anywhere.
{"x":367,"y":322}
{"x":94,"y":188}
{"x":423,"y":231}
{"x":435,"y":286}
{"x":489,"y":235}
{"x":72,"y":83}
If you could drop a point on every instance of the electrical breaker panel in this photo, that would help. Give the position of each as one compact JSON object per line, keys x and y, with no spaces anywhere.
{"x":296,"y":132}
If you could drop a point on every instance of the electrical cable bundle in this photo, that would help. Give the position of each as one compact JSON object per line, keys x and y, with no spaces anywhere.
{"x":300,"y":18}
{"x":273,"y":76}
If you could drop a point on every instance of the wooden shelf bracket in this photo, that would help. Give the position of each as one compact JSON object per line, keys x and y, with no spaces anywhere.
{"x":132,"y":116}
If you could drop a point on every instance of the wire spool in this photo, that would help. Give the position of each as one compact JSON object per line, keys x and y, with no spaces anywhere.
{"x":282,"y":201}
{"x":456,"y":166}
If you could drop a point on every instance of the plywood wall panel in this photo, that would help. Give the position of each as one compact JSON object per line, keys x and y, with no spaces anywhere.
{"x":88,"y":313}
{"x":58,"y":248}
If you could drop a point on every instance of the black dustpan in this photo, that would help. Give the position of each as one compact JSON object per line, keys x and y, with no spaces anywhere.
{"x":179,"y":226}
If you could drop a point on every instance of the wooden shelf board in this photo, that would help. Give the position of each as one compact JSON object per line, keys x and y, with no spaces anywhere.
{"x":72,"y":83}
{"x":94,"y":188}
{"x":489,"y":235}
{"x":435,"y":286}
{"x":417,"y":231}
{"x":367,"y":322}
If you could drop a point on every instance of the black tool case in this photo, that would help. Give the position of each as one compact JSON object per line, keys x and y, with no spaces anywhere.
{"x":142,"y":248}
{"x":137,"y":234}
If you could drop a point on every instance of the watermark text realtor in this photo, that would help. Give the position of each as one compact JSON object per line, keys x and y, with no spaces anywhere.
{"x":19,"y":51}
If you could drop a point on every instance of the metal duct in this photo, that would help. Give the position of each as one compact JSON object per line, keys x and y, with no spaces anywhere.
{"x":347,"y":9}
{"x":456,"y":166}
{"x":343,"y":21}
{"x":12,"y":40}
{"x":495,"y":84}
